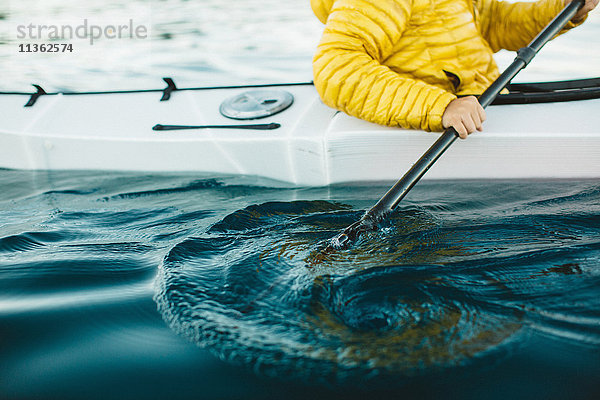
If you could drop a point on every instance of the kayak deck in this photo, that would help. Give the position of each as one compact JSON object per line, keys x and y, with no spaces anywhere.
{"x":313,"y":146}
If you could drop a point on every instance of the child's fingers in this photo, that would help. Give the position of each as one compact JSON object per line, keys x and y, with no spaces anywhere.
{"x":469,"y":124}
{"x":477,"y":120}
{"x":461,"y":130}
{"x":482,"y":114}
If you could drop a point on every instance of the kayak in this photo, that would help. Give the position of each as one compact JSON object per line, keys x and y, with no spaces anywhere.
{"x":284,"y":132}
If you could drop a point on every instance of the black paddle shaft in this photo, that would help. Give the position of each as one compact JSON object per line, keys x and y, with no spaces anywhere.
{"x":391,"y":199}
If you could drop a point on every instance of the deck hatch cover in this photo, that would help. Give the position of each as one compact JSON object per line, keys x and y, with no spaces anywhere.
{"x":254,"y":104}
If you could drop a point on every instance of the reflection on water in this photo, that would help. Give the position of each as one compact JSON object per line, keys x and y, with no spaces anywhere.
{"x":198,"y":43}
{"x":202,"y":43}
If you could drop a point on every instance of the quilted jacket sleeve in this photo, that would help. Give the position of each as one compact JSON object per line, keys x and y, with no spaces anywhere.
{"x":511,"y":26}
{"x":350,"y":76}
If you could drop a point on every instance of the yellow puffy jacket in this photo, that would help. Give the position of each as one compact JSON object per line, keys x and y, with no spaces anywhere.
{"x":400,"y":62}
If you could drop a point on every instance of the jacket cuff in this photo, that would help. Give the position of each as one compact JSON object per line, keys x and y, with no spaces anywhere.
{"x":434,"y":117}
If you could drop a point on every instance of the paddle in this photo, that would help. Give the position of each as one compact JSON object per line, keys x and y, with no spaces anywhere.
{"x":391,"y":199}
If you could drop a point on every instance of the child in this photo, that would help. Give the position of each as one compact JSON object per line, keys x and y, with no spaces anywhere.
{"x":402,"y":62}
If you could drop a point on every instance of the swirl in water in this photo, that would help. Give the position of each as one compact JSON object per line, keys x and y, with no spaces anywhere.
{"x":254,"y":290}
{"x":420,"y":295}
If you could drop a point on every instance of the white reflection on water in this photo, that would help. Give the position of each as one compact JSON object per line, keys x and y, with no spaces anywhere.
{"x":72,"y":299}
{"x":212,"y":42}
{"x":197,"y":43}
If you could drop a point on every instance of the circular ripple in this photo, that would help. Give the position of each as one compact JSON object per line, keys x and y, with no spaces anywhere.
{"x":252,"y":291}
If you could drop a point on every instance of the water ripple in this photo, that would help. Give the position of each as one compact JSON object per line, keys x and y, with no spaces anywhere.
{"x":409,"y":299}
{"x":188,"y":187}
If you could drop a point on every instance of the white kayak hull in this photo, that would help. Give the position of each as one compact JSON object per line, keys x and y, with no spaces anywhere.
{"x":314,"y":146}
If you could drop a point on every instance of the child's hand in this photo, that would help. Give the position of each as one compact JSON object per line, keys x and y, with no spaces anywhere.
{"x":465,"y":114}
{"x":583,"y":11}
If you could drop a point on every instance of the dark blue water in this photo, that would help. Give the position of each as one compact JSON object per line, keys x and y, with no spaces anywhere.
{"x":149,"y":286}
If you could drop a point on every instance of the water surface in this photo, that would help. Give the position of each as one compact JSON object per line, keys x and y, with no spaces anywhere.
{"x":137,"y":285}
{"x":211,"y":42}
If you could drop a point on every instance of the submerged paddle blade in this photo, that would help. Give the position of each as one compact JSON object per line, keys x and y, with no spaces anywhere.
{"x":349,"y":235}
{"x":368,"y":223}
